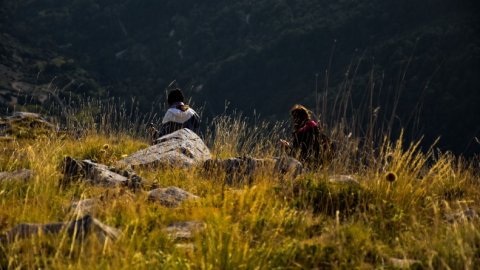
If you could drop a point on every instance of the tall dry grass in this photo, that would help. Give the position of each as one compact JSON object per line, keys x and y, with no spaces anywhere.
{"x":410,"y":204}
{"x":298,"y":223}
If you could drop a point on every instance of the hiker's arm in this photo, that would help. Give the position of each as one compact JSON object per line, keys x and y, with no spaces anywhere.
{"x":284,"y":143}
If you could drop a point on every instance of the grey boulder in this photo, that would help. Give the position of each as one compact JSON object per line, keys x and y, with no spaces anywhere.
{"x":85,"y":206}
{"x":404,"y":263}
{"x":343,"y":179}
{"x":184,"y":230}
{"x":21,"y":174}
{"x":462,"y":215}
{"x":25,"y":125}
{"x":244,"y":169}
{"x":98,"y":174}
{"x":182,"y":148}
{"x":170,"y":196}
{"x":78,"y":229}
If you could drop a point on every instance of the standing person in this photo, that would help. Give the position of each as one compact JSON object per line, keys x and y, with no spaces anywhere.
{"x":309,"y":144}
{"x":178,"y":116}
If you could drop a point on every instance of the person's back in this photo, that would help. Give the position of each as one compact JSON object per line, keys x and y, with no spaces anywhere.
{"x":178,"y":116}
{"x":309,"y":143}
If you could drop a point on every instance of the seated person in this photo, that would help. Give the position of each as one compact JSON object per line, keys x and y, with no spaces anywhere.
{"x":178,"y":116}
{"x":309,"y":144}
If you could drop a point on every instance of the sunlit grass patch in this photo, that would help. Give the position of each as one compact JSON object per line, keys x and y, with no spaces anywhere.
{"x":407,"y":205}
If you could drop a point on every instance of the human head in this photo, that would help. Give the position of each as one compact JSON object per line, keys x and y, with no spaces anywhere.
{"x":174,"y":96}
{"x":300,"y":113}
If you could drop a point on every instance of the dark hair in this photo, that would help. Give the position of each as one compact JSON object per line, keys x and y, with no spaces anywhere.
{"x":300,"y":112}
{"x":175,"y":95}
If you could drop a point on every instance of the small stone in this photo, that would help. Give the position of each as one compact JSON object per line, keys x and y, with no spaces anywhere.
{"x":170,"y":196}
{"x":403,"y":263}
{"x":78,"y":229}
{"x":462,"y":215}
{"x":185,"y":247}
{"x":243,"y":169}
{"x":84,"y":206}
{"x":343,"y":179}
{"x":26,"y":125}
{"x":98,"y":174}
{"x":288,"y":166}
{"x":21,"y":174}
{"x":184,"y":230}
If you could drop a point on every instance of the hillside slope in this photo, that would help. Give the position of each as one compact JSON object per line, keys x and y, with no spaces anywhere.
{"x":264,"y":56}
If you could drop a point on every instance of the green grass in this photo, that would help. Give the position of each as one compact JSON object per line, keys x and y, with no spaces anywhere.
{"x":299,"y":223}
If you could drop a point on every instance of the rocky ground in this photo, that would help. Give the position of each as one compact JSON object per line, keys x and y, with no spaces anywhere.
{"x":113,"y":201}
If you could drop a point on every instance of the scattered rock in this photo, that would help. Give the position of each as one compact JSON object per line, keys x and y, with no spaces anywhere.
{"x":78,"y":229}
{"x":462,"y":215}
{"x":185,"y":247}
{"x":343,"y":179}
{"x":84,"y":206}
{"x":21,"y":174}
{"x":243,"y":169}
{"x":288,"y":166}
{"x":170,"y":196}
{"x":28,"y":115}
{"x":184,"y":230}
{"x":403,"y":263}
{"x":25,"y":125}
{"x":98,"y":174}
{"x":182,"y":148}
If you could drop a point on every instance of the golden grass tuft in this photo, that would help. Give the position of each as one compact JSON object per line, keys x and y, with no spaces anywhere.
{"x":425,"y":215}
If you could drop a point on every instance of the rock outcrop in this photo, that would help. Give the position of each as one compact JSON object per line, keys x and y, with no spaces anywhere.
{"x":21,"y":175}
{"x":84,"y":206}
{"x":78,"y":229}
{"x":98,"y":174}
{"x":243,"y":169}
{"x":182,"y":148}
{"x":25,"y":125}
{"x":405,"y":263}
{"x":343,"y":179}
{"x":184,"y":230}
{"x":170,"y":196}
{"x":462,"y":215}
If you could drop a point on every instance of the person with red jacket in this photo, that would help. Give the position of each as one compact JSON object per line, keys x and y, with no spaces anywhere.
{"x":309,"y":144}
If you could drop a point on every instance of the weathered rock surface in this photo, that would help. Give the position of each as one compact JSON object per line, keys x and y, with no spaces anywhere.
{"x":21,"y":174}
{"x":462,"y":215}
{"x":184,"y":230}
{"x":403,"y":263}
{"x":288,"y":166}
{"x":79,"y":229}
{"x":84,"y":206}
{"x":170,"y":196}
{"x":343,"y":179}
{"x":182,"y":148}
{"x":98,"y":174}
{"x":243,"y":169}
{"x":25,"y":125}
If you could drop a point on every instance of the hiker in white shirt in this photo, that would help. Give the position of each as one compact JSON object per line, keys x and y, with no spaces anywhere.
{"x":178,"y":116}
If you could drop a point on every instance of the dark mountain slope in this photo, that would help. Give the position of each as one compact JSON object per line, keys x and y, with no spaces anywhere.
{"x":264,"y":55}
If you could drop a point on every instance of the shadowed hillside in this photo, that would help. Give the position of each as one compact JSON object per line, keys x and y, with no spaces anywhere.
{"x":418,"y":60}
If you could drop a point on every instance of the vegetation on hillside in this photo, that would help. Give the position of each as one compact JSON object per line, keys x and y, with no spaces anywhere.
{"x":379,"y":74}
{"x":263,"y":55}
{"x":412,"y":208}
